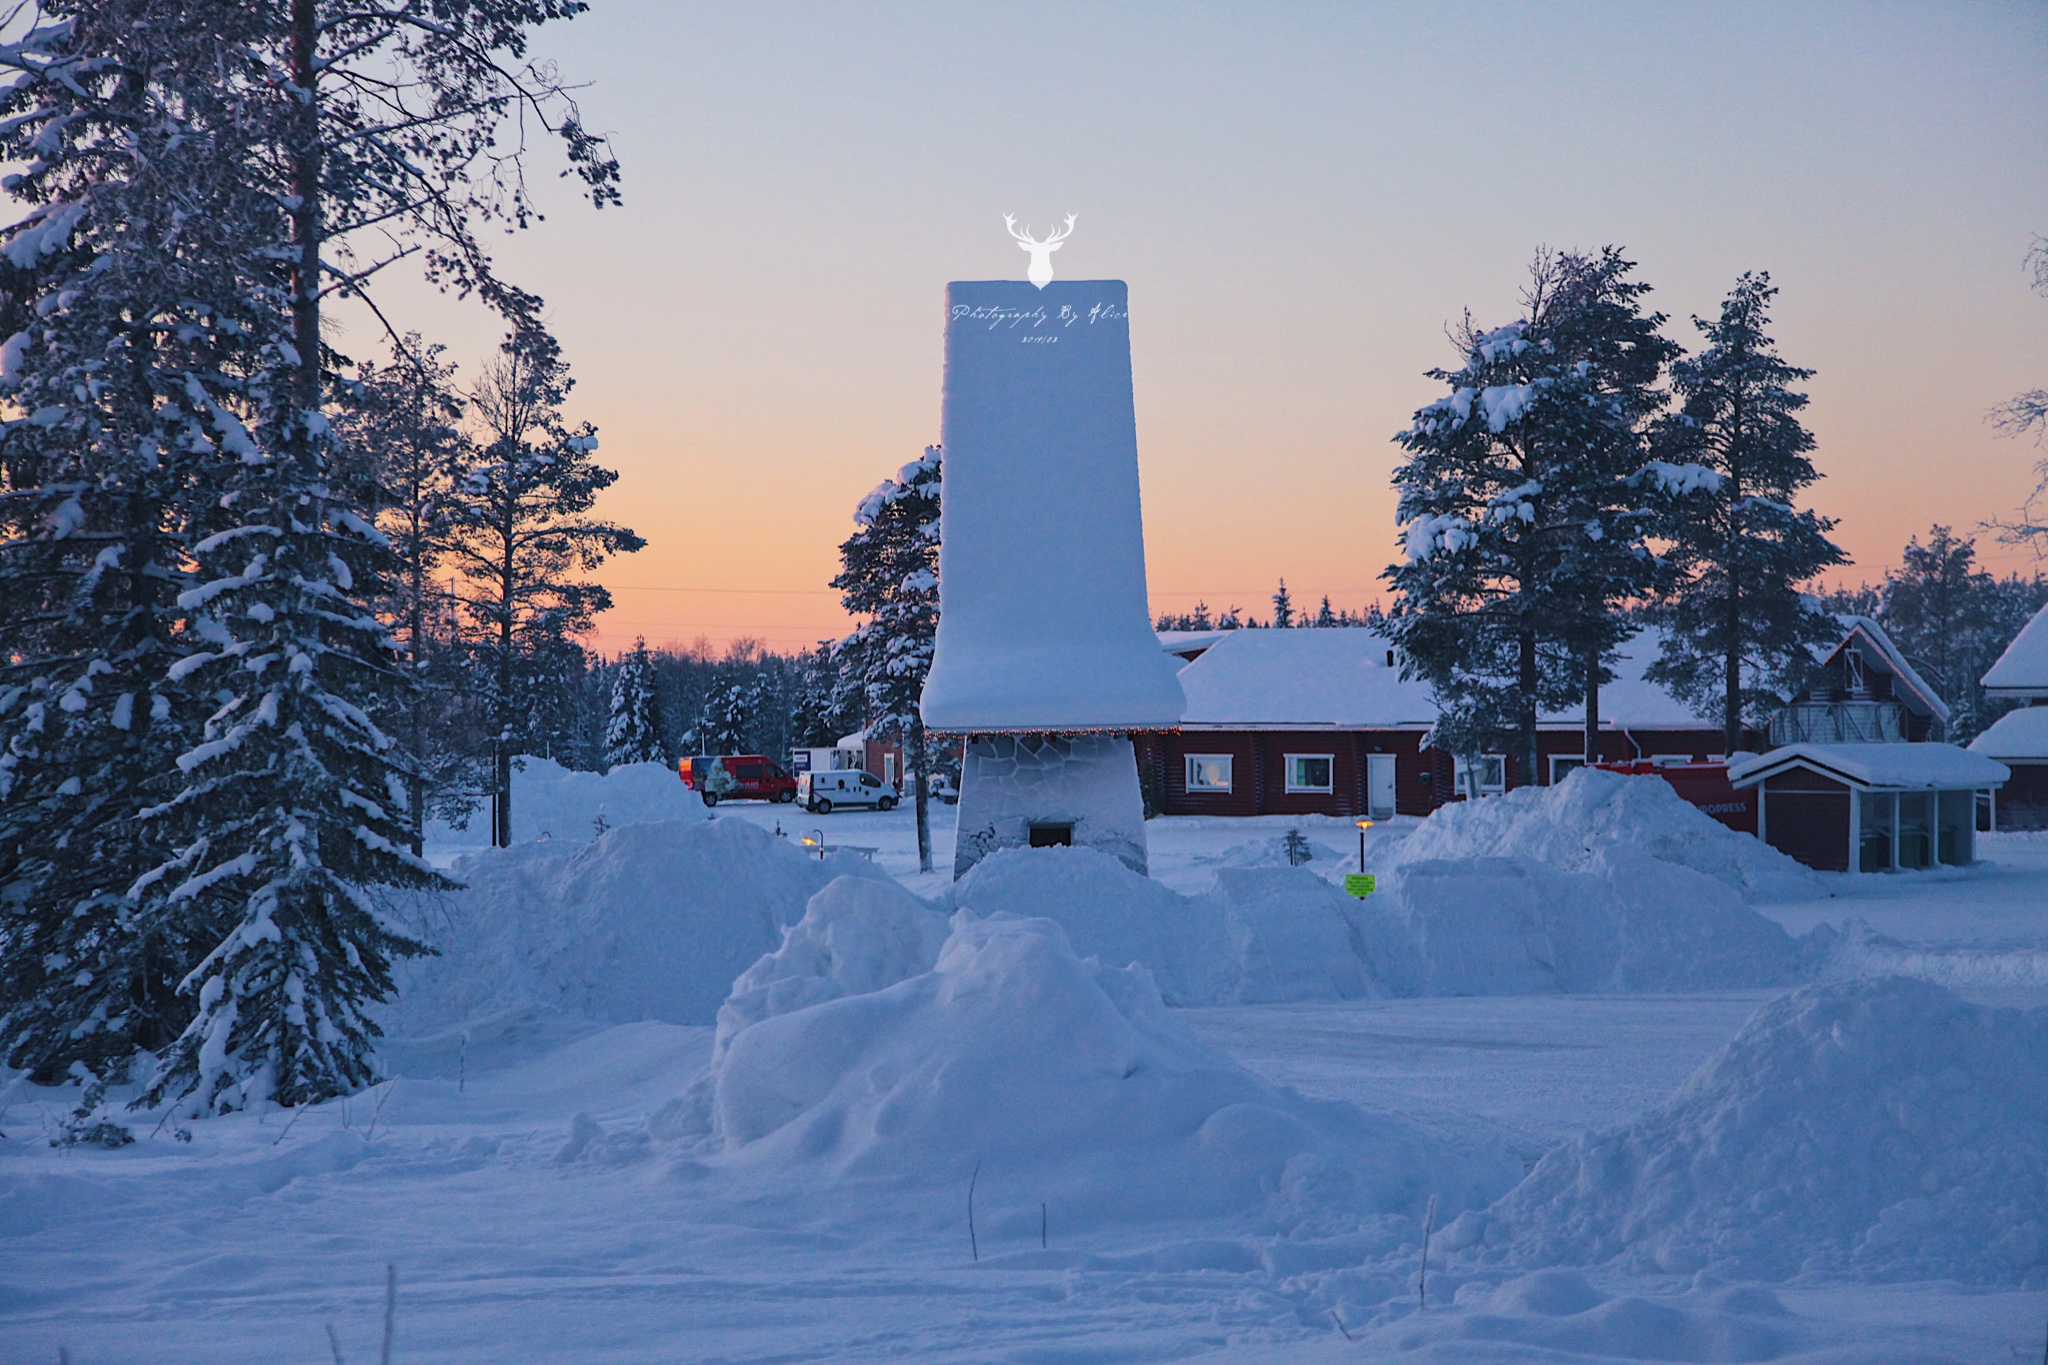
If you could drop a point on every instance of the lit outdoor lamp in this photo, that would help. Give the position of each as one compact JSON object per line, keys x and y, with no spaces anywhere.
{"x":1360,"y":883}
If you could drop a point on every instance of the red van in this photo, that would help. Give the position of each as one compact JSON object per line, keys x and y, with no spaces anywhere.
{"x":736,"y":777}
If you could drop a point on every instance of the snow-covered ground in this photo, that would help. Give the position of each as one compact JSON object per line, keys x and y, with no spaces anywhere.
{"x":511,"y":1175}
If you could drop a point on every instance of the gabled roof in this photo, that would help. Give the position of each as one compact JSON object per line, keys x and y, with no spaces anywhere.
{"x":2020,"y":735}
{"x":1340,"y":678}
{"x":1902,"y":767}
{"x":1907,"y":684}
{"x":1317,"y":678}
{"x":2022,"y":671}
{"x":1631,"y":702}
{"x":1187,"y":643}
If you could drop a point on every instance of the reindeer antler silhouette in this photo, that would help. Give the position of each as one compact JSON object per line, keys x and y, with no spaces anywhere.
{"x":1040,"y":272}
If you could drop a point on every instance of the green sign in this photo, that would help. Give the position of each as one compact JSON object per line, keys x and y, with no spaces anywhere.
{"x":1358,"y":885}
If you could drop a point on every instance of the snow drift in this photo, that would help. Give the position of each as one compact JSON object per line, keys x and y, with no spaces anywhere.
{"x":857,"y":935}
{"x":1565,"y":827}
{"x":1257,"y":936}
{"x":1472,"y":926}
{"x":1879,"y":1129}
{"x":1629,"y":922}
{"x":551,"y":802}
{"x":649,"y":921}
{"x":1058,"y":1080}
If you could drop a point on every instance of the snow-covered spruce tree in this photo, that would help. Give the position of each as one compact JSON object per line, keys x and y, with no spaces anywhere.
{"x":1737,"y":628}
{"x":1525,"y":517}
{"x":817,"y":717}
{"x":400,"y":426}
{"x":890,"y":576}
{"x":727,"y":721}
{"x":1283,"y":608}
{"x":366,"y":135}
{"x":122,"y":302}
{"x":521,"y":529}
{"x":633,"y":732}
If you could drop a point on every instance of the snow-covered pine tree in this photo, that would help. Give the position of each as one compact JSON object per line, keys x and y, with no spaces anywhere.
{"x":362,"y":135}
{"x":1325,"y":617}
{"x":633,"y":734}
{"x":727,"y":721}
{"x":890,"y":576}
{"x":1283,"y":608}
{"x":400,"y":426}
{"x":522,"y":528}
{"x":1605,"y":478}
{"x":1523,"y":526}
{"x":1736,"y":626}
{"x":118,"y":298}
{"x":816,"y":716}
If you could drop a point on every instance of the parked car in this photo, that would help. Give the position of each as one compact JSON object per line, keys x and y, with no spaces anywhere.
{"x":823,"y":793}
{"x":736,"y":777}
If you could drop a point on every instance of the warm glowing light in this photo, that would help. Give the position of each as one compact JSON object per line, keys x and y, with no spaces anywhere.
{"x":1365,"y":824}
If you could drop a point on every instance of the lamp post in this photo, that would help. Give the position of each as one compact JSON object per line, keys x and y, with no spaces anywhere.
{"x":1363,"y":826}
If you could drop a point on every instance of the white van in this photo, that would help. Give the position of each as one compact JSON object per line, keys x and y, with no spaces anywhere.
{"x":822,"y":793}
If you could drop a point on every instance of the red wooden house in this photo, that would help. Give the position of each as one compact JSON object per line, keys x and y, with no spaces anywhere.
{"x":1319,"y":721}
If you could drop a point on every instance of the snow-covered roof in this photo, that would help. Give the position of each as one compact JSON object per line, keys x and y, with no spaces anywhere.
{"x":1908,"y":685}
{"x":1186,"y":642}
{"x":1630,"y":702}
{"x":1914,"y":767}
{"x":2021,"y":734}
{"x":1339,"y":678}
{"x":2022,"y":671}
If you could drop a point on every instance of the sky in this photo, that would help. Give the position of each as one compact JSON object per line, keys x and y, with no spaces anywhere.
{"x":1302,"y":197}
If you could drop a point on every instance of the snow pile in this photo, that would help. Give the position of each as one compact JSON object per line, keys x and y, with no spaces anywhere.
{"x":1109,"y":913}
{"x":1860,"y":950}
{"x":1477,"y":926}
{"x":1564,"y":1317}
{"x":857,"y":935}
{"x":1565,"y":826}
{"x":1878,"y":1129}
{"x":1293,"y":936}
{"x":1258,"y":935}
{"x":551,"y":802}
{"x":1048,"y":1080}
{"x":1629,"y":922}
{"x":651,"y":921}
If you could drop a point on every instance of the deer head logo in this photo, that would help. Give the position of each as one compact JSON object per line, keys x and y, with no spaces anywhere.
{"x":1040,"y":272}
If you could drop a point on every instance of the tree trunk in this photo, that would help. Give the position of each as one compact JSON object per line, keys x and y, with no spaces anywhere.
{"x":305,"y":155}
{"x":1526,"y":707}
{"x":1731,"y":673}
{"x":501,"y":800}
{"x":1592,"y":708}
{"x":922,"y":794}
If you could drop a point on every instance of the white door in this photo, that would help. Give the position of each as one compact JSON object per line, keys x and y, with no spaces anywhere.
{"x":1379,"y":785}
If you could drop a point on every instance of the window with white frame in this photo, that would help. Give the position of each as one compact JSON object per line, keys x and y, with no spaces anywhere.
{"x":1666,"y":760}
{"x":1484,"y":775}
{"x":1311,"y":772}
{"x":1561,"y":766}
{"x":1208,"y":772}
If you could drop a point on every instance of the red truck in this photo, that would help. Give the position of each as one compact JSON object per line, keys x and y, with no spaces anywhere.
{"x":736,"y":777}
